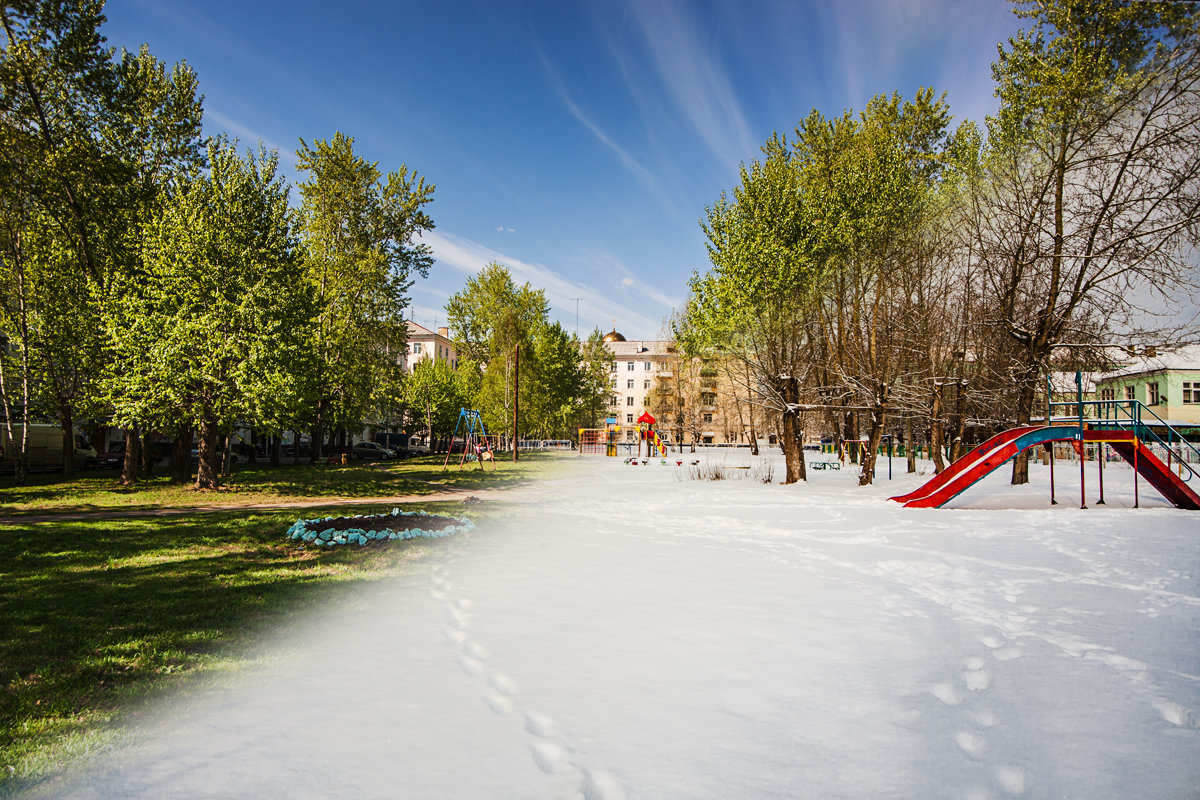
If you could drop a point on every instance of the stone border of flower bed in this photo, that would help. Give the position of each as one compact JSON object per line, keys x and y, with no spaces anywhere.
{"x":319,"y":532}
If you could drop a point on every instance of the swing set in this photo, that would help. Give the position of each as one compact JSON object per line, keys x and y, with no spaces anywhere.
{"x":476,"y":446}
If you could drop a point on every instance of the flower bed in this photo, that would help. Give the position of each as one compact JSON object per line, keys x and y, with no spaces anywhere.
{"x":330,"y":531}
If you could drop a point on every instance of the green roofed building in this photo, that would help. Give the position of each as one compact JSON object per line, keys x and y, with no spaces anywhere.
{"x":1168,"y":382}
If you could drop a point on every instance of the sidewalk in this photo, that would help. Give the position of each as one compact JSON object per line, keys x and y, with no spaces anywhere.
{"x":448,"y":494}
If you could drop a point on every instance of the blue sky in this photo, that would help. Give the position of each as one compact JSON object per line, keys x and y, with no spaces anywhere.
{"x":578,"y":143}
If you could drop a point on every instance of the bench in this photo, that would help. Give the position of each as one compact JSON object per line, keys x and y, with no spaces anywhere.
{"x":825,"y":464}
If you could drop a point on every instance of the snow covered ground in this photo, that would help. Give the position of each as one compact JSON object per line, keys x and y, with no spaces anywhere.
{"x":626,"y":633}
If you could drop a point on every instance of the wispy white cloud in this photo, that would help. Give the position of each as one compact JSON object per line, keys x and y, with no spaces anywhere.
{"x":598,"y":304}
{"x":694,"y":76}
{"x":505,"y":229}
{"x":629,"y":162}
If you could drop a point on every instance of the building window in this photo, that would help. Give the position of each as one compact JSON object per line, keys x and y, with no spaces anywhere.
{"x":613,"y":401}
{"x":647,"y":363}
{"x":1191,"y":392}
{"x":1130,"y":393}
{"x":630,"y":366}
{"x":628,"y":401}
{"x":1108,"y":393}
{"x":629,"y":383}
{"x":416,"y":347}
{"x":708,"y":440}
{"x":647,"y":386}
{"x":629,"y":418}
{"x":1153,"y":390}
{"x":708,"y":417}
{"x":614,"y":369}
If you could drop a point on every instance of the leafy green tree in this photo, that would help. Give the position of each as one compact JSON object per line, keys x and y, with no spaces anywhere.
{"x":808,"y":255}
{"x":1092,"y":178}
{"x":434,"y":394}
{"x":490,"y":318}
{"x":215,"y":325}
{"x":360,"y":232}
{"x":596,"y":368}
{"x":84,"y":143}
{"x":560,"y":389}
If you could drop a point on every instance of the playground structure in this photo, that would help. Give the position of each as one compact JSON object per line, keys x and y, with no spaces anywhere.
{"x":1128,"y":427}
{"x":476,"y":445}
{"x":613,"y":439}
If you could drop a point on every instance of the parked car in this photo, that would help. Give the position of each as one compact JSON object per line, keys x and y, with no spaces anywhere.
{"x":114,"y":457}
{"x":234,"y":458}
{"x":44,"y":448}
{"x":372,"y":450}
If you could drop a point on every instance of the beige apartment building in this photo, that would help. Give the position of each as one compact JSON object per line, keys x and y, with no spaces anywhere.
{"x":424,"y":343}
{"x":648,"y":375}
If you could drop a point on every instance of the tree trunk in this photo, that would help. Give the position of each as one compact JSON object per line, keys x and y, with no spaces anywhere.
{"x":129,"y":466}
{"x":791,"y":431}
{"x":937,"y":437}
{"x":871,"y":450}
{"x":316,"y":438}
{"x":276,"y":449}
{"x":207,"y":468}
{"x":296,"y":447}
{"x":910,"y":451}
{"x":181,"y":455}
{"x":147,"y":457}
{"x":227,"y":456}
{"x":960,"y":421}
{"x":68,"y":439}
{"x":1020,"y":470}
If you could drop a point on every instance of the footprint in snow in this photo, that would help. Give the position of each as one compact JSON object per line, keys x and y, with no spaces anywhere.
{"x":471,"y":666}
{"x":475,"y":651}
{"x":1011,"y":780}
{"x":498,"y":703}
{"x":598,"y":785}
{"x":976,"y":677}
{"x":947,"y":693}
{"x":539,"y":724}
{"x":503,"y":684}
{"x":456,"y":618}
{"x":549,"y":757}
{"x":970,"y":743}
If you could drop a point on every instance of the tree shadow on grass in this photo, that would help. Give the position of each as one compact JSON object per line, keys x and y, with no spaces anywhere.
{"x":99,"y":612}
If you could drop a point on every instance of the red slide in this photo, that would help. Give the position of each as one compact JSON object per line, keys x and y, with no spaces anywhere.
{"x":1148,"y":465}
{"x":1000,"y":448}
{"x":971,"y":459}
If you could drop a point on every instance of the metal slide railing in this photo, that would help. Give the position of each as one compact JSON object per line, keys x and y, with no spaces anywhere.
{"x":1139,"y":419}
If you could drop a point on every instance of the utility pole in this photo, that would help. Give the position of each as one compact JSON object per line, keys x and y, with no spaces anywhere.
{"x":516,"y":398}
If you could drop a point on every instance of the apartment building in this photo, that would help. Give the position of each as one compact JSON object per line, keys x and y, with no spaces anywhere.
{"x":424,"y":343}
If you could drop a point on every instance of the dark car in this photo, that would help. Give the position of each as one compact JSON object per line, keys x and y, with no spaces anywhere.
{"x":113,"y":458}
{"x":372,"y":450}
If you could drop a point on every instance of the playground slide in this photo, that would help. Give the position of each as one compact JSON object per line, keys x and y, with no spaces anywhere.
{"x":1156,"y":473}
{"x":966,"y":462}
{"x":990,"y":455}
{"x":1006,"y":445}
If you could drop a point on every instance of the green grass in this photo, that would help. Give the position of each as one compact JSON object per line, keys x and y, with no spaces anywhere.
{"x":100,"y":614}
{"x":98,"y":489}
